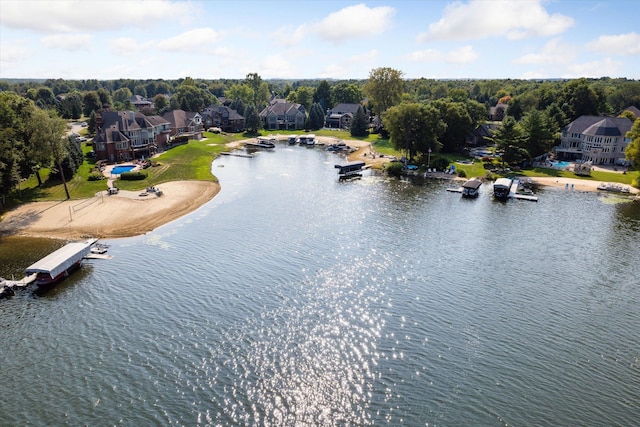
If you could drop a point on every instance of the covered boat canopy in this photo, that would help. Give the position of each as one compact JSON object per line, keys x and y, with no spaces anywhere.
{"x":59,"y":261}
{"x":349,"y":167}
{"x":502,"y":183}
{"x":472,"y":184}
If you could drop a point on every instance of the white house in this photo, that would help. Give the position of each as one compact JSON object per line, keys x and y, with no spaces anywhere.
{"x":597,"y":139}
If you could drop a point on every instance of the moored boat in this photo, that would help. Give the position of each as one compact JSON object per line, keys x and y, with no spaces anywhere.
{"x":262,"y":142}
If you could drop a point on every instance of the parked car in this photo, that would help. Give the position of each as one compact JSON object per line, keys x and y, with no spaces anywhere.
{"x":83,"y":124}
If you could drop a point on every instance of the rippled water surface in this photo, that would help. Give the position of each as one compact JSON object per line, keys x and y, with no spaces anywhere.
{"x":294,"y":299}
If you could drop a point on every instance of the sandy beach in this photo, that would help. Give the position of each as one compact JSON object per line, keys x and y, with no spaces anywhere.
{"x":122,"y":215}
{"x":129,"y":213}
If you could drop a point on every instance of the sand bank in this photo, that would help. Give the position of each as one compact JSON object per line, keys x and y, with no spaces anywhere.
{"x":122,"y":215}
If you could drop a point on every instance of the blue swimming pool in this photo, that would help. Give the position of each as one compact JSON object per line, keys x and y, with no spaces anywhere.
{"x":117,"y":170}
{"x":561,"y":165}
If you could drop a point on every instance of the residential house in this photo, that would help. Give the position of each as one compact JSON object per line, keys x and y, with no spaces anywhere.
{"x":498,"y":112}
{"x":597,"y":139}
{"x":128,"y":135}
{"x":223,"y":117}
{"x":479,"y":136}
{"x":140,"y":102}
{"x":184,"y":123}
{"x":341,"y":116}
{"x":633,"y":110}
{"x":283,"y":115}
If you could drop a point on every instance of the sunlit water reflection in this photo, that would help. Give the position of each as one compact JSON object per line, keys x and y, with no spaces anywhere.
{"x":295,"y":299}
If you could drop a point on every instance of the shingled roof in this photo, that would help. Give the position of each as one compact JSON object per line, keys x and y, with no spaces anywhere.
{"x":599,"y":126}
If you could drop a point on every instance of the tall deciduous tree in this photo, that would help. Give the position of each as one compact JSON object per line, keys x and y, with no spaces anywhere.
{"x":414,"y":128}
{"x":385,"y":87}
{"x":633,"y":149}
{"x":160,"y":103}
{"x":322,"y":95}
{"x":348,"y":93}
{"x":91,"y":102}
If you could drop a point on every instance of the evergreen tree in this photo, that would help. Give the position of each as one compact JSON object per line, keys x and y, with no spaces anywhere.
{"x":252,"y":121}
{"x":360,"y":123}
{"x":509,"y":140}
{"x":316,"y":117}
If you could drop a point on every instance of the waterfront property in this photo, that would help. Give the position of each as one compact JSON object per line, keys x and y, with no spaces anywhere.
{"x":128,"y":135}
{"x":283,"y":115}
{"x":596,"y":139}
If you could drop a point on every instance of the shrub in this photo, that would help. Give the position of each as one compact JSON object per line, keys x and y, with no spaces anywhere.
{"x":95,"y":176}
{"x":440,"y":163}
{"x":133,"y":176}
{"x":394,"y":168}
{"x":461,"y":173}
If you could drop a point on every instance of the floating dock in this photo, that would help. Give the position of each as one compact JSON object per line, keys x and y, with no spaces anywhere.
{"x":513,"y":193}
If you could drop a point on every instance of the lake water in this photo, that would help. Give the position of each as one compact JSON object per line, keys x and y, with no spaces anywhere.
{"x":295,"y":299}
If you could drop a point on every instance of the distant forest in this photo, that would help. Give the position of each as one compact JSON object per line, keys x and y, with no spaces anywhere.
{"x":574,"y":97}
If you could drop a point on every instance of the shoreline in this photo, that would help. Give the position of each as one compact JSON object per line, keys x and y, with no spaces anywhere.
{"x":127,"y":214}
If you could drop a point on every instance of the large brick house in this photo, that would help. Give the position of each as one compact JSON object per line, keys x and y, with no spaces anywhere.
{"x":223,"y":117}
{"x":597,"y":139}
{"x":128,"y":135}
{"x":283,"y":115}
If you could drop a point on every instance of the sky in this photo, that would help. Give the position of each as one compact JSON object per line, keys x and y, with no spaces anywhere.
{"x":329,"y":39}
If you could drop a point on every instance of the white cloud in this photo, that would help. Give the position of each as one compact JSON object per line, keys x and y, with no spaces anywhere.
{"x":124,"y":46}
{"x":354,"y":22}
{"x":480,"y":19}
{"x":70,"y":42}
{"x":289,"y":36}
{"x":594,"y":69}
{"x":84,"y":16}
{"x":553,"y":52}
{"x":464,"y":55}
{"x":276,"y":66}
{"x":621,"y":44}
{"x":429,"y":55}
{"x":203,"y":40}
{"x":364,"y":57}
{"x":13,"y":51}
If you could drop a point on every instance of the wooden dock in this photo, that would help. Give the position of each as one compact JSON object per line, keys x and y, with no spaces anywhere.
{"x":513,"y":193}
{"x":227,"y":153}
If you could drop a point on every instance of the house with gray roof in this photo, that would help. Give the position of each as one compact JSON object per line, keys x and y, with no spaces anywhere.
{"x":597,"y":139}
{"x":341,"y":116}
{"x":184,"y":123}
{"x":223,"y":117}
{"x":128,"y":135}
{"x":283,"y":115}
{"x":140,"y":102}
